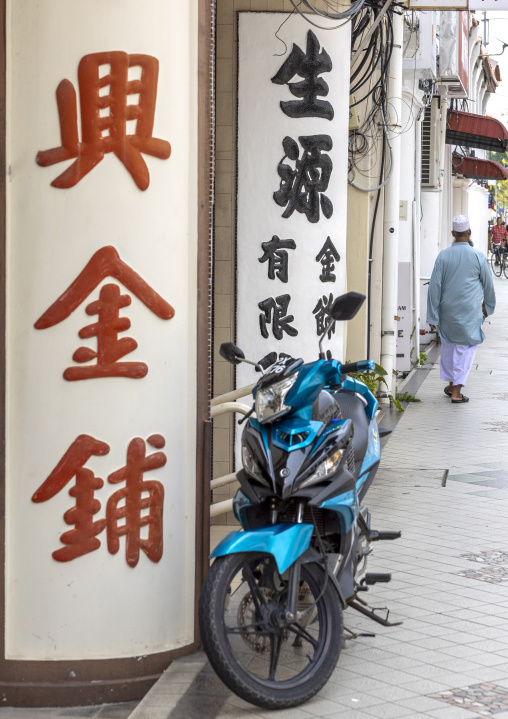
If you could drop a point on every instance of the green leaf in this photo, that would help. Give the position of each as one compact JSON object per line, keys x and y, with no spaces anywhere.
{"x":380,"y":370}
{"x":397,"y":403}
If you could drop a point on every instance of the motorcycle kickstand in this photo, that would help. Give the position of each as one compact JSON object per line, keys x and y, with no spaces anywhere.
{"x":370,"y":612}
{"x":355,"y":635}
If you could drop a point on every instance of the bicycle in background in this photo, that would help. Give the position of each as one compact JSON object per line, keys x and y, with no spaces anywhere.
{"x":499,"y":261}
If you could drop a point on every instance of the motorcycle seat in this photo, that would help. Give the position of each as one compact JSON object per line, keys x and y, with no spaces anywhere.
{"x":352,"y":407}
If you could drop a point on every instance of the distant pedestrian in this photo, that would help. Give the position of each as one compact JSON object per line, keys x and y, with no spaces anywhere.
{"x":461,"y":295}
{"x":498,"y":237}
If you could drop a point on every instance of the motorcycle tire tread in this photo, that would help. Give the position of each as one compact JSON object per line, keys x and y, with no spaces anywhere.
{"x":239,"y":681}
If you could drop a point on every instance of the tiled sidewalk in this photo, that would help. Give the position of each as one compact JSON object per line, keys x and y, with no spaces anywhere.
{"x":449,"y":658}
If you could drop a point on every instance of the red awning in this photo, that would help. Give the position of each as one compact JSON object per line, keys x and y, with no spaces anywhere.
{"x":468,"y":130}
{"x":478,"y":169}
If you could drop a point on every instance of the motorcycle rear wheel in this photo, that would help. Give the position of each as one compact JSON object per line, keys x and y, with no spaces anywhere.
{"x":269,"y":665}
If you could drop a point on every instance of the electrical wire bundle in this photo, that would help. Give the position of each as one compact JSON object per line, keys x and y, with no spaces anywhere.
{"x":330,"y":9}
{"x":369,"y":84}
{"x":377,"y":54}
{"x":369,"y":78}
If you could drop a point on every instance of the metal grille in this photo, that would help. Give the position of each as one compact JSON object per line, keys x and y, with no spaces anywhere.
{"x":319,"y":516}
{"x":350,"y":458}
{"x":426,"y":145}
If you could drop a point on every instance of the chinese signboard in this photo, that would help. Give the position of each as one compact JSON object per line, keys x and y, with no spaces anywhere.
{"x":292,"y":170}
{"x":458,"y":4}
{"x":101,"y":358}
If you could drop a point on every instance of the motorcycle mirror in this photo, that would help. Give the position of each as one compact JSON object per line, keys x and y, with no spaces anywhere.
{"x":231,"y":353}
{"x":346,"y":306}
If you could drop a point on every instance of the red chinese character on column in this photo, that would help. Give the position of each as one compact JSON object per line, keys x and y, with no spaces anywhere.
{"x":105,"y":111}
{"x":105,"y":263}
{"x":83,"y":538}
{"x":126,"y":509}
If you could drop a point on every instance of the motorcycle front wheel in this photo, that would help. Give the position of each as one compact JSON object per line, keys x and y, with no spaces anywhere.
{"x":263,"y":659}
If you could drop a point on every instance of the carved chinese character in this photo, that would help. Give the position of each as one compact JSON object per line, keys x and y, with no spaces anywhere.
{"x":108,"y":102}
{"x":327,"y":256}
{"x":277,"y":257}
{"x":139,"y":504}
{"x":307,"y":65}
{"x":302,"y":187}
{"x":275,"y":313}
{"x":322,"y":312}
{"x":83,"y":538}
{"x":104,"y":263}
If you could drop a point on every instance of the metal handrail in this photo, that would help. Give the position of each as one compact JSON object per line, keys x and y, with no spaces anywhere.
{"x":231,"y":396}
{"x":221,"y":507}
{"x":223,"y":481}
{"x":225,"y":407}
{"x":222,"y":404}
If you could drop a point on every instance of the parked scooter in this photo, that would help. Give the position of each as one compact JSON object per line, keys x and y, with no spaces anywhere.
{"x":271,"y":607}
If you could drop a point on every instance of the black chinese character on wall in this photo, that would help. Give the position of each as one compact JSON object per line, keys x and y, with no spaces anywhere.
{"x":307,"y":65}
{"x":277,"y":257}
{"x":328,"y":255}
{"x":302,"y":187}
{"x":322,"y":312}
{"x":275,"y":313}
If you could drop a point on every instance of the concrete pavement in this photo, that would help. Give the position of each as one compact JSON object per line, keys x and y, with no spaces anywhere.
{"x":444,"y":483}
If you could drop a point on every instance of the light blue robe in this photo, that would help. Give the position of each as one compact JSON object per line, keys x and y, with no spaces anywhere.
{"x":461,"y":278}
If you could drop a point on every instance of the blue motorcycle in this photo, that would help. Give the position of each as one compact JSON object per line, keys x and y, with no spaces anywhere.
{"x":271,"y":606}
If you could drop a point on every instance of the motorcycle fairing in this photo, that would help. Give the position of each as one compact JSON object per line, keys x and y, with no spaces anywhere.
{"x":311,"y":379}
{"x":355,"y":385}
{"x":373,"y":454}
{"x":295,"y":428}
{"x":285,"y":542}
{"x":289,"y":449}
{"x":346,"y":505}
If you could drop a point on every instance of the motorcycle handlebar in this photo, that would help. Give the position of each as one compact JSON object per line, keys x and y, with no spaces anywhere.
{"x":361,"y":366}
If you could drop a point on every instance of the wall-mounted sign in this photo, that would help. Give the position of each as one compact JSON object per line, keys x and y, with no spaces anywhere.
{"x":438,"y":4}
{"x":292,"y":170}
{"x":101,"y":329}
{"x":458,"y":5}
{"x":488,"y":5}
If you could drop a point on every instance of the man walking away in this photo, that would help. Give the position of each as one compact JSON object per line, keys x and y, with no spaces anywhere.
{"x":460,"y":280}
{"x":497,"y":237}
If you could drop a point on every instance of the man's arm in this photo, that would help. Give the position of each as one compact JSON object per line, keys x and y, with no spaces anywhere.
{"x":434,"y":295}
{"x":489,"y":294}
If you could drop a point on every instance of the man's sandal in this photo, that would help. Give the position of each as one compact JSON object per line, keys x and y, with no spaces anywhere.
{"x":447,"y":392}
{"x":462,"y":399}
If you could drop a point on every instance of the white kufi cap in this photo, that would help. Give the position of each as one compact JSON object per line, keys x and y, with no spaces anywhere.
{"x":460,"y":223}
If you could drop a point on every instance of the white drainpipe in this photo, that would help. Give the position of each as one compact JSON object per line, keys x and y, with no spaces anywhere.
{"x":391,"y":209}
{"x":416,"y":317}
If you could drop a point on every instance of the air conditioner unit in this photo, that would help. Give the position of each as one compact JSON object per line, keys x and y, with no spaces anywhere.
{"x":430,"y":145}
{"x":420,"y":46}
{"x":453,"y":65}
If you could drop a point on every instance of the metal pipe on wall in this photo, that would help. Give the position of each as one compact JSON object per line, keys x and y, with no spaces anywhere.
{"x":417,"y":312}
{"x":391,"y":208}
{"x":442,"y":157}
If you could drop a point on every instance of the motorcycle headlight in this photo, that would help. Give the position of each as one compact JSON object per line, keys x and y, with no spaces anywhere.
{"x":270,"y":401}
{"x":328,"y":466}
{"x":250,"y":464}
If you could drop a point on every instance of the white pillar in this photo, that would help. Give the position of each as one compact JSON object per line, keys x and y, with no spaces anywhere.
{"x":391,"y":209}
